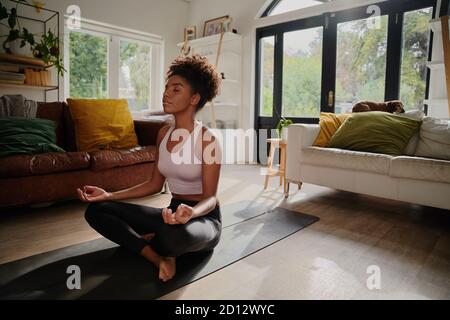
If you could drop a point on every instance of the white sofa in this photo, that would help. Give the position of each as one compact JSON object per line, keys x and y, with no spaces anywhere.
{"x":412,"y":179}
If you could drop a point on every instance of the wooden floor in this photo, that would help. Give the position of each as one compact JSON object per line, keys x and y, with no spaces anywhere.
{"x":409,"y":244}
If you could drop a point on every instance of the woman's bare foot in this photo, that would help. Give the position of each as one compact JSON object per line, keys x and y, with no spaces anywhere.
{"x":167,"y":268}
{"x":148,"y":236}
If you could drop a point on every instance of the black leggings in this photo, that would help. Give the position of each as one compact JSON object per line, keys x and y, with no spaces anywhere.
{"x":124,"y":223}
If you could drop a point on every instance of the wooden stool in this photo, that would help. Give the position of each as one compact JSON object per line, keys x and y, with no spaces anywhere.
{"x":281,"y":171}
{"x":276,"y":143}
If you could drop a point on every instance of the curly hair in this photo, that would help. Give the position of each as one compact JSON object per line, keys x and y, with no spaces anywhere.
{"x":200,"y":74}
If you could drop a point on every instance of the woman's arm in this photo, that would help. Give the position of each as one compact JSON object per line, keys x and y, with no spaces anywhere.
{"x":148,"y":187}
{"x":212,"y":158}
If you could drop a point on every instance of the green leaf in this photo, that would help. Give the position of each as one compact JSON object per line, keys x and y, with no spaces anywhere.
{"x":3,"y":12}
{"x":12,"y":18}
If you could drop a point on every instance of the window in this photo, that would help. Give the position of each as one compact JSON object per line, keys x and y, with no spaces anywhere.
{"x":134,"y":76}
{"x":302,"y":73}
{"x":88,"y":70}
{"x":291,"y":5}
{"x":415,"y":49}
{"x":267,"y":61}
{"x":361,"y":62}
{"x":111,"y":62}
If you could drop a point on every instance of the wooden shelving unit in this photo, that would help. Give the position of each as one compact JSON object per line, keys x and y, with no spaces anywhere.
{"x":26,"y":86}
{"x":438,"y":101}
{"x":45,"y":18}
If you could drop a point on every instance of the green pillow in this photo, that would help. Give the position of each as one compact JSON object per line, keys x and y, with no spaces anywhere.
{"x":20,"y":135}
{"x":375,"y":131}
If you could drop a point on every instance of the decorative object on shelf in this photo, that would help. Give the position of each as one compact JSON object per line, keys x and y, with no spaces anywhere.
{"x":46,"y":48}
{"x":190,"y":33}
{"x":217,"y":25}
{"x":283,"y":123}
{"x":38,"y":5}
{"x":185,"y":49}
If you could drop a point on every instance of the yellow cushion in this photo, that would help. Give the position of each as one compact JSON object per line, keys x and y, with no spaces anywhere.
{"x":329,"y":123}
{"x":102,"y":124}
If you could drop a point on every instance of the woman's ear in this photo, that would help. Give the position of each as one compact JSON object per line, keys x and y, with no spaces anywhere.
{"x":195,"y":99}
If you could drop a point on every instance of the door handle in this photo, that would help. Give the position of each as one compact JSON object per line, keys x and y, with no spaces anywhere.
{"x":330,"y":98}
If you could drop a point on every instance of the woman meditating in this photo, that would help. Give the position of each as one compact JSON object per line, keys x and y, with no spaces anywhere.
{"x":192,"y":221}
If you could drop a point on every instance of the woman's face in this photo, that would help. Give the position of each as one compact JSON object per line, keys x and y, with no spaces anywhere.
{"x":178,"y":95}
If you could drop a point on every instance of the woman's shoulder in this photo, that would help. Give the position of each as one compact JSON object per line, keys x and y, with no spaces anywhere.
{"x":162,"y":132}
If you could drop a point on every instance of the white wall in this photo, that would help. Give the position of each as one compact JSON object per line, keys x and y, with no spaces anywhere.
{"x":166,"y":18}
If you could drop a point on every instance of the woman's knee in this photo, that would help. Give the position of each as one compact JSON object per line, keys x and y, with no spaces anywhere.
{"x":169,"y":240}
{"x":176,"y":240}
{"x":94,"y":209}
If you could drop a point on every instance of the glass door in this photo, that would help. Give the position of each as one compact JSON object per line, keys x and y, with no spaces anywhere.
{"x":360,"y":61}
{"x":302,"y":73}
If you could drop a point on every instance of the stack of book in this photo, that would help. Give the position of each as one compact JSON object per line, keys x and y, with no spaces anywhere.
{"x":22,"y":60}
{"x":15,"y":69}
{"x":37,"y":77}
{"x":12,"y":77}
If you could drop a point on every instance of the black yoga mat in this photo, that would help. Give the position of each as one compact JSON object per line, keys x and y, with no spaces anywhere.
{"x":111,"y":272}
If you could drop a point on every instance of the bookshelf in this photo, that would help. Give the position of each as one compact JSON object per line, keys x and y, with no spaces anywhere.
{"x":437,"y":102}
{"x":13,"y":67}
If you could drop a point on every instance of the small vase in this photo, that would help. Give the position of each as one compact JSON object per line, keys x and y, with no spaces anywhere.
{"x":15,"y":48}
{"x":284,"y":134}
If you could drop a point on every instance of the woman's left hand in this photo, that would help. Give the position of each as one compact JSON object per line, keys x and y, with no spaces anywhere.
{"x":184,"y":213}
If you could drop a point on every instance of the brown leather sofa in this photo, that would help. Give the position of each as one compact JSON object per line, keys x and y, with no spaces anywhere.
{"x":49,"y":177}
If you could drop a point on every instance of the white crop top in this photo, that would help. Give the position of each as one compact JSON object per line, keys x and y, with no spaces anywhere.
{"x":183,"y":166}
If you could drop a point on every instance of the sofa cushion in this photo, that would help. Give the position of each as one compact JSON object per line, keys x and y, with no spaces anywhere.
{"x":329,"y":124}
{"x":375,"y":131}
{"x":45,"y":163}
{"x":347,"y":159}
{"x":102,"y":124}
{"x":434,"y":141}
{"x":20,"y":135}
{"x":54,"y":111}
{"x":412,"y":144}
{"x":421,"y":169}
{"x":107,"y":159}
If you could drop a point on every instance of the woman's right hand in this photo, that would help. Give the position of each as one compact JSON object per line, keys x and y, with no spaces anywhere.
{"x":93,"y":194}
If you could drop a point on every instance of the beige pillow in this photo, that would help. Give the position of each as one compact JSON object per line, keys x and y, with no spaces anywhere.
{"x":434,"y":139}
{"x":412,"y":144}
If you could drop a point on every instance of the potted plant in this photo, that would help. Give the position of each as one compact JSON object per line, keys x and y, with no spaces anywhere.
{"x":45,"y":48}
{"x":283,"y":123}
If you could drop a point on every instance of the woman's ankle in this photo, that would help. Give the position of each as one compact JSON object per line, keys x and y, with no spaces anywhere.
{"x":148,"y":253}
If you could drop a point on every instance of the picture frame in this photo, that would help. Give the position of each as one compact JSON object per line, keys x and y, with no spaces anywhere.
{"x":215,"y":26}
{"x":190,"y":33}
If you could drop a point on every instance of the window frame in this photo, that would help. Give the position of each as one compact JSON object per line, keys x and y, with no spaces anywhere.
{"x":115,"y":34}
